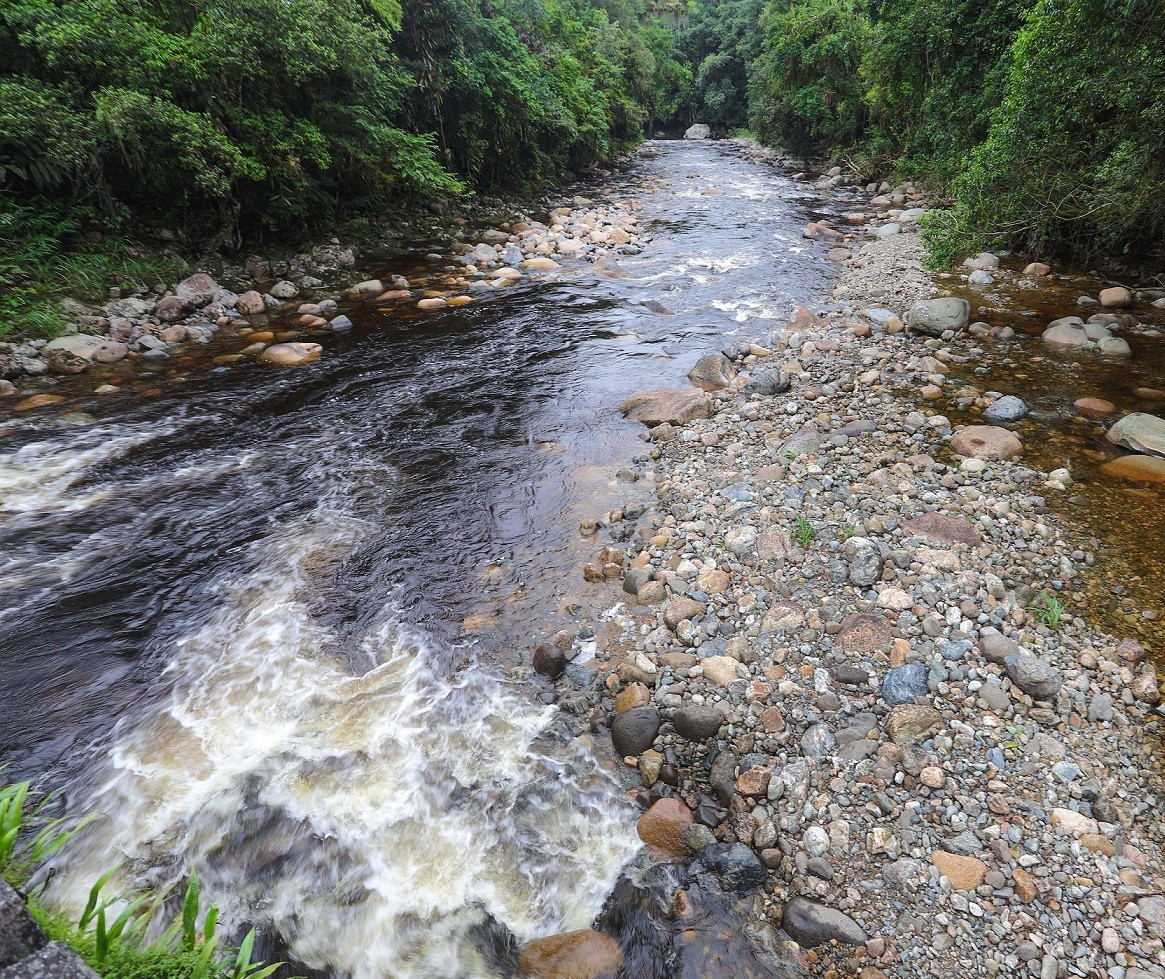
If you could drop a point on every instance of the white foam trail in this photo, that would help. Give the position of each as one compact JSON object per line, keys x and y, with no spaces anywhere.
{"x":39,"y":475}
{"x":371,"y":815}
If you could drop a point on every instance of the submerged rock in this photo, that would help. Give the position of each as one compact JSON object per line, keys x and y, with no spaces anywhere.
{"x":581,"y":954}
{"x":291,"y":354}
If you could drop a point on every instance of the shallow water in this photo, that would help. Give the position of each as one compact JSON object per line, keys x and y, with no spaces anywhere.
{"x":264,"y":620}
{"x":1122,"y":521}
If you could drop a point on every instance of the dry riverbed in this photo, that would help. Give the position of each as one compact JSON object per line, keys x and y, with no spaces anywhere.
{"x":845,"y":685}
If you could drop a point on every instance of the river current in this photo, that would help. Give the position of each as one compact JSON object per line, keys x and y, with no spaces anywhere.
{"x":265,"y":621}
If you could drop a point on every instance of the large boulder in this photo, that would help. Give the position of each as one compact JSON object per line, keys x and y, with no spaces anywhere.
{"x":197,"y":290}
{"x":698,"y":131}
{"x":1068,"y":332}
{"x":810,"y":924}
{"x":1140,"y":432}
{"x":934,"y":317}
{"x":92,"y":349}
{"x":712,"y":372}
{"x":986,"y":442}
{"x":1116,"y":297}
{"x":581,"y":954}
{"x":633,"y":731}
{"x":675,"y":406}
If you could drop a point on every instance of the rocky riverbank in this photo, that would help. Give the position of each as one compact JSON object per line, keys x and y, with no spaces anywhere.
{"x":279,"y":311}
{"x":851,"y":698}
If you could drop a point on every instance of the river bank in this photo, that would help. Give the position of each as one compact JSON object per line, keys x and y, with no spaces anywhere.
{"x":307,"y":293}
{"x":856,"y":695}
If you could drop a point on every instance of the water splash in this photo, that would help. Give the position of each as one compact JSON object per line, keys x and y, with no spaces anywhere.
{"x":369,"y":810}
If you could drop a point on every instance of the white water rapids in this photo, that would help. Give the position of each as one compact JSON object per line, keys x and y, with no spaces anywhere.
{"x":373,"y":817}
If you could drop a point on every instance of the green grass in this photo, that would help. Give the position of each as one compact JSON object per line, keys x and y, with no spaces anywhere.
{"x":46,"y":256}
{"x":110,"y":934}
{"x":803,"y":531}
{"x":1049,"y":609}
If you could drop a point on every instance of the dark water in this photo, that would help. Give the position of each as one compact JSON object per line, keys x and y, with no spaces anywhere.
{"x":262,"y":618}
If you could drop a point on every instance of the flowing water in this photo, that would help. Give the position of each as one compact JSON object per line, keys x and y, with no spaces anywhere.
{"x":264,"y":620}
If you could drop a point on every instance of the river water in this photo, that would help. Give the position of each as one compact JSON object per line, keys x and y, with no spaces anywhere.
{"x":266,"y":620}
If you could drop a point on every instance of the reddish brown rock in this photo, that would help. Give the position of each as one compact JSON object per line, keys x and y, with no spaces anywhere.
{"x":940,"y":527}
{"x":636,"y":695}
{"x":1144,"y":469}
{"x":1094,"y":407}
{"x":772,"y":721}
{"x":964,"y":873}
{"x":862,"y":632}
{"x":1025,"y":885}
{"x":582,"y":954}
{"x":38,"y":401}
{"x":663,"y":829}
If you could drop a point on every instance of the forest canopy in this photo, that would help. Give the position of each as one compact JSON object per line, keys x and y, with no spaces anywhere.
{"x":1044,"y":120}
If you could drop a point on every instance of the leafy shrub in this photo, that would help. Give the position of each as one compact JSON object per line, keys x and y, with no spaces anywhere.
{"x":1075,"y":158}
{"x":806,"y":90}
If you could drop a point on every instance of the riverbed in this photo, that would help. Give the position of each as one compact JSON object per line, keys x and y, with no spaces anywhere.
{"x":275,"y":624}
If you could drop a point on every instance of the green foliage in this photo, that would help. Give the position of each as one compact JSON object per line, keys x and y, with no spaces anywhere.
{"x":1075,"y":158}
{"x":27,"y":836}
{"x":806,"y":92}
{"x":236,"y":116}
{"x":111,"y":934}
{"x":934,"y":71}
{"x":1049,"y":609}
{"x":803,"y":531}
{"x":47,"y":250}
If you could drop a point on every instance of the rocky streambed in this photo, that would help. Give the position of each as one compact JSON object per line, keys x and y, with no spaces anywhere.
{"x":848,"y":692}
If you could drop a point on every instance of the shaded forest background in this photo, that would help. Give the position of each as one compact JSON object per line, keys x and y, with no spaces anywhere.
{"x":1043,"y":121}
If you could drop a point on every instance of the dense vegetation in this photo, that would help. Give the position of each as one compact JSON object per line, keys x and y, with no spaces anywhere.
{"x":1045,"y":119}
{"x":227,"y":120}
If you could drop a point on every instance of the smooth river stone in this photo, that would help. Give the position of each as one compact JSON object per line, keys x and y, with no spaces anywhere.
{"x":291,"y":354}
{"x":986,"y":442}
{"x":1146,"y":469}
{"x":1140,"y":432}
{"x":581,"y":954}
{"x":674,"y":406}
{"x":664,"y":827}
{"x":1094,"y":407}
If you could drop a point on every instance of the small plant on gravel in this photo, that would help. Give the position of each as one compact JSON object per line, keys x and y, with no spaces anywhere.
{"x":1049,"y":609}
{"x":851,"y":530}
{"x":803,"y":531}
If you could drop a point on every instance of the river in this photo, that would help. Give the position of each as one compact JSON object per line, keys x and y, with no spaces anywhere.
{"x":270,"y":622}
